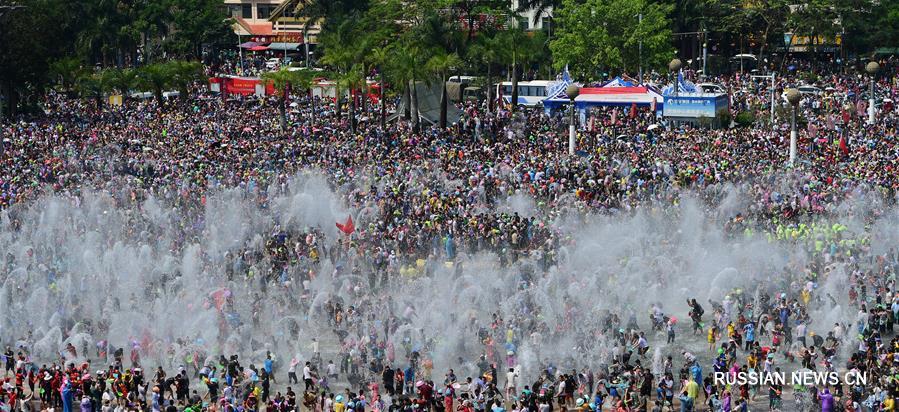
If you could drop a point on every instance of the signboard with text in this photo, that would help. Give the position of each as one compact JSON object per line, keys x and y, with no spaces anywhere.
{"x":694,"y":105}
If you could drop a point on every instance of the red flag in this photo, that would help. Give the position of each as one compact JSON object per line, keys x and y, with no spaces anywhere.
{"x":347,"y":227}
{"x":633,"y":110}
{"x":843,"y":146}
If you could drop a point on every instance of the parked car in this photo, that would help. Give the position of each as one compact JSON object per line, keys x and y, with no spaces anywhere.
{"x":711,"y":88}
{"x":809,"y":90}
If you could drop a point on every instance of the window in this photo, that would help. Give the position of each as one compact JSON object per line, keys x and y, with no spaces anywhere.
{"x":264,"y":11}
{"x":234,"y":10}
{"x":246,"y":11}
{"x":524,"y":23}
{"x":507,"y":90}
{"x":541,"y":91}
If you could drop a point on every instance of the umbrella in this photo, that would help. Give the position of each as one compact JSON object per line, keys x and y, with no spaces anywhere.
{"x":653,"y":126}
{"x":258,"y":48}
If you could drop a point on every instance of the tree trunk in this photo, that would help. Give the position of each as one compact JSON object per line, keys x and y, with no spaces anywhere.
{"x":311,"y":106}
{"x":443,"y":102}
{"x":489,"y":88}
{"x":12,"y":100}
{"x":283,"y":110}
{"x":413,"y":97}
{"x":514,"y":99}
{"x":352,"y":114}
{"x":382,"y":102}
{"x":158,"y":93}
{"x":407,"y":104}
{"x":338,"y":99}
{"x":762,"y":50}
{"x":364,"y":92}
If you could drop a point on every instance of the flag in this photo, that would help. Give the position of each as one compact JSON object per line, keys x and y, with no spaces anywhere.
{"x":653,"y":107}
{"x":566,"y":77}
{"x":614,"y":116}
{"x":844,"y":148}
{"x":347,"y":227}
{"x":633,"y":110}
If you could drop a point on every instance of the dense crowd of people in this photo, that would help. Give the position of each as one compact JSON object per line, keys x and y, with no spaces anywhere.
{"x":425,"y":198}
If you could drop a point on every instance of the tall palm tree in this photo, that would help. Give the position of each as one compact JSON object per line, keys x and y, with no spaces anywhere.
{"x":123,"y":80}
{"x":380,"y":57}
{"x":281,"y":81}
{"x":93,"y":84}
{"x":488,"y":50}
{"x":352,"y":81}
{"x":408,"y":69}
{"x":304,"y":79}
{"x":155,"y":77}
{"x":184,"y":73}
{"x":66,"y":71}
{"x":519,"y":48}
{"x":439,"y":65}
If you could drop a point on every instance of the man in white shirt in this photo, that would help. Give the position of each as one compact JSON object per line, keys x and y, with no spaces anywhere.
{"x":511,"y":383}
{"x":308,"y":376}
{"x":332,"y":371}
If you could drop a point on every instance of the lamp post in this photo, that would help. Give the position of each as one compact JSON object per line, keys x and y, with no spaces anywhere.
{"x":872,"y":68}
{"x":674,"y":67}
{"x":640,"y":49}
{"x":793,"y":98}
{"x":572,"y":91}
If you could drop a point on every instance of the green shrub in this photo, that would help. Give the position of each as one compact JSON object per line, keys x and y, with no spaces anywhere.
{"x":745,"y":119}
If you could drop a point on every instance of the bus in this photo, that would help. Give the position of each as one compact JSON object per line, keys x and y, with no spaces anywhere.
{"x":530,"y":93}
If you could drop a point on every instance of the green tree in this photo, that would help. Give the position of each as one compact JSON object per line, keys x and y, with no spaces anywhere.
{"x":439,"y":65}
{"x":66,"y":71}
{"x":93,"y":84}
{"x":281,"y":81}
{"x":594,"y":35}
{"x":156,"y":78}
{"x":123,"y":80}
{"x":380,"y":58}
{"x":488,"y":51}
{"x":519,"y":48}
{"x":352,"y":81}
{"x":196,"y":22}
{"x":183,"y":74}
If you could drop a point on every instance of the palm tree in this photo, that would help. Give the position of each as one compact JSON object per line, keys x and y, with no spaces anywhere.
{"x":539,"y":7}
{"x":66,"y":71}
{"x":519,"y":47}
{"x":352,"y":81}
{"x":379,"y":57}
{"x":439,"y":65}
{"x":184,"y":73}
{"x":155,"y":77}
{"x":304,"y":79}
{"x":407,"y":69}
{"x":281,"y":81}
{"x":93,"y":84}
{"x":123,"y":80}
{"x":488,"y":51}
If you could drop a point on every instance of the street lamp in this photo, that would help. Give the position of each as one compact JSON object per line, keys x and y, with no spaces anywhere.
{"x":793,"y":96}
{"x":572,"y":91}
{"x":674,"y":67}
{"x":872,"y":68}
